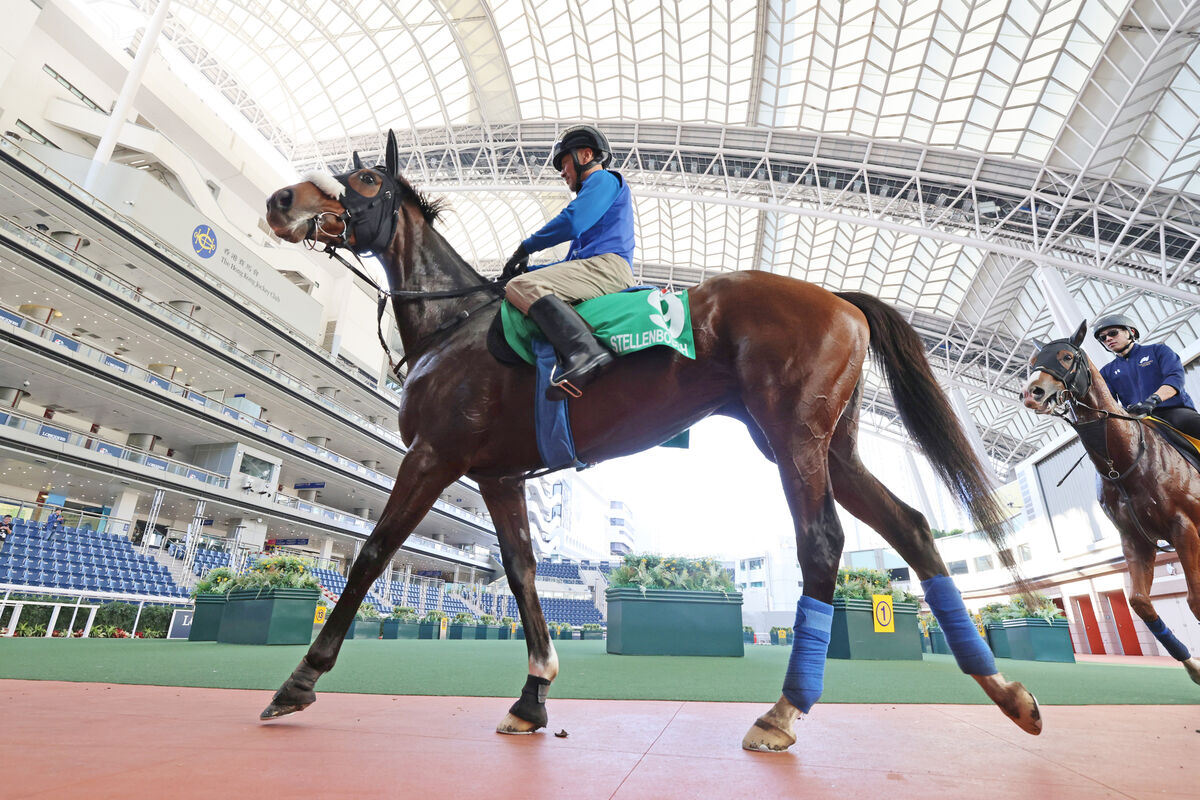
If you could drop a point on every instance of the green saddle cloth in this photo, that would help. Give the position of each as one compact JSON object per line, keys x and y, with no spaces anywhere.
{"x":624,"y":322}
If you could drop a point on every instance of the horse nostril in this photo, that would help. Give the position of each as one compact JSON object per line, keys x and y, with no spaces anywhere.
{"x":282,"y":199}
{"x":1037,"y":393}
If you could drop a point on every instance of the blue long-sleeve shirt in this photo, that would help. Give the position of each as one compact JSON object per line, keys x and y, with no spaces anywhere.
{"x":1135,"y":377}
{"x":599,"y":220}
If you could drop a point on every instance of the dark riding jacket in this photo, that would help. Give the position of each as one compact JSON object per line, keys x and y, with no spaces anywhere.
{"x":1138,"y":374}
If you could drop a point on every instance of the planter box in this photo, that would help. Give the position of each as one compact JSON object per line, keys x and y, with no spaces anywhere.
{"x":780,"y":637}
{"x":460,"y":631}
{"x":363,"y":629}
{"x":997,"y":637}
{"x":937,"y":643}
{"x":591,"y":635}
{"x":926,"y":647}
{"x":269,"y":616}
{"x":747,"y":637}
{"x":663,"y":622}
{"x":206,"y":622}
{"x":1039,"y":640}
{"x":519,"y":633}
{"x":562,"y":635}
{"x":429,"y":630}
{"x":508,"y":632}
{"x":487,"y":631}
{"x":853,"y":634}
{"x":395,"y":629}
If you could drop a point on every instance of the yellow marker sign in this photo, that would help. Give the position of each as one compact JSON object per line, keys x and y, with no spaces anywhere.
{"x":885,"y":621}
{"x":319,"y":617}
{"x":442,"y":628}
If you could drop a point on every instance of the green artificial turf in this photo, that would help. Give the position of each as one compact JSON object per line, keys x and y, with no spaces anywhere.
{"x":498,"y":668}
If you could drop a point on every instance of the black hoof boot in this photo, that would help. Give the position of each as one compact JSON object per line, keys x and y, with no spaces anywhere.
{"x":531,"y":707}
{"x":296,"y":694}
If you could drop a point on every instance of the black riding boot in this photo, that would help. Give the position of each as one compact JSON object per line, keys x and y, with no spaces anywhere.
{"x":580,"y":356}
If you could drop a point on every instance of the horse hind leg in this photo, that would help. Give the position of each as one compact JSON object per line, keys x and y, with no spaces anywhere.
{"x":907,"y":531}
{"x":421,"y":478}
{"x":1187,"y":546}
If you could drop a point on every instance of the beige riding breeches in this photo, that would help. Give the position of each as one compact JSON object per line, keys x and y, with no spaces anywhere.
{"x":572,"y":281}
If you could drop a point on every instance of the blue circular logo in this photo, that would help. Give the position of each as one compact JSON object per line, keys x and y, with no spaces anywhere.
{"x":204,"y":241}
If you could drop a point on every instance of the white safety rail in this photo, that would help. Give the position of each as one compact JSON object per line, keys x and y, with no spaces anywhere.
{"x":79,"y":600}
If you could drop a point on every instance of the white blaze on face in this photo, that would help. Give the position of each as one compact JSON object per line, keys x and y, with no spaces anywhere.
{"x":326,"y":183}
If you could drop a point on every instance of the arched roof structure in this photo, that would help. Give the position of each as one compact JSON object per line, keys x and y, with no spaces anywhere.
{"x":936,"y":154}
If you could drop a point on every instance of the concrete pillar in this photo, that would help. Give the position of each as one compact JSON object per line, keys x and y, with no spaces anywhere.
{"x":328,"y":391}
{"x":141,"y":441}
{"x":370,"y":463}
{"x":439,"y":537}
{"x":926,"y":507}
{"x":124,"y":507}
{"x":254,"y":532}
{"x":1066,"y":313}
{"x":307,"y":495}
{"x":326,"y":552}
{"x":362,"y":511}
{"x":11,"y":397}
{"x":129,"y":90}
{"x":319,"y":441}
{"x":268,"y":356}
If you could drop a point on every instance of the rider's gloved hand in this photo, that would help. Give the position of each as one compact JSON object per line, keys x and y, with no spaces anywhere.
{"x":516,"y":264}
{"x":1145,"y":407}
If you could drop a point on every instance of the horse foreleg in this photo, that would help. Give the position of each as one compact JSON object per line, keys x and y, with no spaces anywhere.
{"x":422,"y":477}
{"x":506,"y":503}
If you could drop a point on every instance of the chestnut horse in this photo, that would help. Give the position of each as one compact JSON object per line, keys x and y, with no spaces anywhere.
{"x":783,"y":356}
{"x":1147,"y":488}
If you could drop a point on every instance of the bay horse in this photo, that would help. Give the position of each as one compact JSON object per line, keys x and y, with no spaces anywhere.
{"x":1148,"y":490}
{"x":783,"y":356}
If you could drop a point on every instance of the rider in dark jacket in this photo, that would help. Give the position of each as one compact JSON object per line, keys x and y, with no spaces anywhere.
{"x":1145,"y":378}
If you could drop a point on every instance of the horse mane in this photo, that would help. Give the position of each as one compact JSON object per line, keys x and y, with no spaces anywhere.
{"x":430,"y":209}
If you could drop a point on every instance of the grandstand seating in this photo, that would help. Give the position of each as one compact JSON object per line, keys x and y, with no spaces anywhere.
{"x":565,"y":571}
{"x":83,"y":560}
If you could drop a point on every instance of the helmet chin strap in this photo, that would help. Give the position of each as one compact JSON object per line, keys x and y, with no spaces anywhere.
{"x":580,"y":169}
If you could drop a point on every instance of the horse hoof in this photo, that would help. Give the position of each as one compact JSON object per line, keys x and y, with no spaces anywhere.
{"x":513,"y":725}
{"x":764,"y":737}
{"x":1192,"y":665}
{"x":1017,"y":702}
{"x":277,"y":710}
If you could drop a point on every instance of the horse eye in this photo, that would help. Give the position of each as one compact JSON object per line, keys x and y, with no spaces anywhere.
{"x":367,"y":177}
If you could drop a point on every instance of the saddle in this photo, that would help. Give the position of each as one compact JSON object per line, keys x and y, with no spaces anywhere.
{"x":1188,"y":447}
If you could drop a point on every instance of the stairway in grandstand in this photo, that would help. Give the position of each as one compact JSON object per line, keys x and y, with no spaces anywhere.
{"x":81,"y":559}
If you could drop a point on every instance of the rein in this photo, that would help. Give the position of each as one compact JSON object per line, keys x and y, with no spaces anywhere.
{"x":331,"y":249}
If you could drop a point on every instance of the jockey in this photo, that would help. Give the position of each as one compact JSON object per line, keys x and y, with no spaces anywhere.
{"x":1146,"y":378}
{"x":599,"y":225}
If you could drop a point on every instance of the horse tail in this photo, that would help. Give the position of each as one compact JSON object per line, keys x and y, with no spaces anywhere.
{"x":929,"y":419}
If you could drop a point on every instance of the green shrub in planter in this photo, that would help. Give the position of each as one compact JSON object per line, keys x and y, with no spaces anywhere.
{"x":274,"y":602}
{"x":591,"y":630}
{"x":367,"y":623}
{"x":1036,"y":630}
{"x":781,"y":635}
{"x":853,"y":634}
{"x":747,"y":634}
{"x":210,"y":593}
{"x":431,"y":625}
{"x":402,"y":624}
{"x":462,"y":626}
{"x":508,"y":628}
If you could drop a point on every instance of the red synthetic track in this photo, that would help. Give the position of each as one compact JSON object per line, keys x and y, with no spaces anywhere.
{"x":87,"y":740}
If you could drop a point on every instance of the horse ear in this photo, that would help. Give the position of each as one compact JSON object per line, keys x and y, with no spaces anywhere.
{"x":357,"y":161}
{"x":1080,"y":332}
{"x":392,"y":155}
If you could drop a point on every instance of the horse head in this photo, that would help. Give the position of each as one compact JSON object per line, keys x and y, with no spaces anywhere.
{"x":358,"y":210}
{"x":1060,"y":373}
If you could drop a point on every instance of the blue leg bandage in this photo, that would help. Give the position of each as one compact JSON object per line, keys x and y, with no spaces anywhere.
{"x":970,"y":650}
{"x":805,"y":677}
{"x":1176,"y":648}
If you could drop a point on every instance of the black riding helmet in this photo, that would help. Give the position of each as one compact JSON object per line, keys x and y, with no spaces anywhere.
{"x":581,"y":136}
{"x":1115,"y":321}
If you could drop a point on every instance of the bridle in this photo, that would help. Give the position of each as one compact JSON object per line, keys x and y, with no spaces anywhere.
{"x":1077,"y":382}
{"x":374,"y":220}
